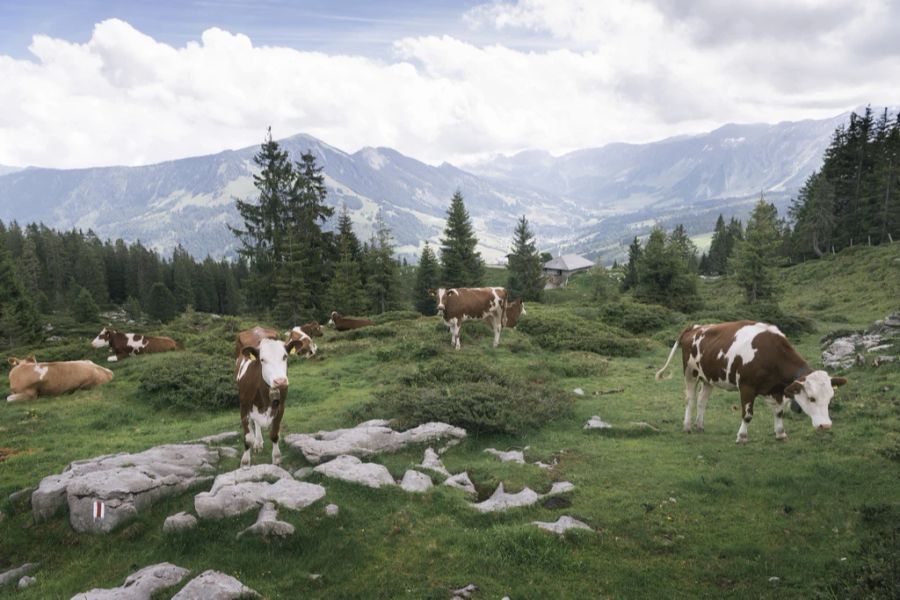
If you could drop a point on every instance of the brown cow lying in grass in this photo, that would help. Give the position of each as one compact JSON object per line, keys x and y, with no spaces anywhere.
{"x":29,"y":378}
{"x":123,"y":345}
{"x":312,"y":329}
{"x":342,"y":323}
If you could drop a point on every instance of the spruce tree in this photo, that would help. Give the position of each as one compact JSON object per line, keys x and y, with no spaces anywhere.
{"x":292,"y":297}
{"x":84,"y":309}
{"x":756,"y":256}
{"x":526,"y":275}
{"x":427,"y":277}
{"x":684,"y":248}
{"x":461,"y":263}
{"x":382,"y":281}
{"x":717,"y":258}
{"x":345,"y":292}
{"x":663,"y":277}
{"x":631,"y":273}
{"x":161,"y":304}
{"x":19,"y":321}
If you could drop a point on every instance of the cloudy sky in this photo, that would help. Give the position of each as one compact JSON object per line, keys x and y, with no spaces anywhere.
{"x":89,"y":83}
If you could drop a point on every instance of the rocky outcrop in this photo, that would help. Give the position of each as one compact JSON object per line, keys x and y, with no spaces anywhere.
{"x":244,"y":489}
{"x":516,"y":456}
{"x":500,"y":500}
{"x":350,"y":468}
{"x":596,"y":422}
{"x":213,"y":585}
{"x":462,"y":482}
{"x":562,"y":525}
{"x":432,"y":461}
{"x":141,"y":585}
{"x":367,"y":439}
{"x":12,"y":575}
{"x":867,"y":347}
{"x":267,"y":524}
{"x":179,"y":522}
{"x":101,"y":493}
{"x":416,"y":482}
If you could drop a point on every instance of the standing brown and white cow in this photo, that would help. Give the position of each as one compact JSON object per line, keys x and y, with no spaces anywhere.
{"x":261,"y":374}
{"x":514,"y":311}
{"x":123,"y":345}
{"x":757,"y":360}
{"x":29,"y":378}
{"x":456,"y":305}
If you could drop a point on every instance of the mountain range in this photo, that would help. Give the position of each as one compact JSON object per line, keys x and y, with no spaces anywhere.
{"x":590,"y":201}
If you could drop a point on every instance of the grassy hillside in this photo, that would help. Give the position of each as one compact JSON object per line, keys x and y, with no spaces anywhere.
{"x":674,"y":515}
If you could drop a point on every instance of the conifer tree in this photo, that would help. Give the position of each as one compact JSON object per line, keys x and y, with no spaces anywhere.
{"x":84,"y":308}
{"x":461,"y":263}
{"x":161,"y":305}
{"x":382,"y":281}
{"x":631,"y":273}
{"x":183,"y":278}
{"x":345,"y":292}
{"x":662,"y":276}
{"x":19,"y":321}
{"x":756,"y":256}
{"x":427,"y":277}
{"x":684,"y":248}
{"x":526,"y":275}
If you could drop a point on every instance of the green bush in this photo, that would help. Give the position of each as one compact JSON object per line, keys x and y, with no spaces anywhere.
{"x":466,"y":392}
{"x":562,"y":331}
{"x":377,"y":332}
{"x":395,"y":315}
{"x":188,"y":381}
{"x":636,"y":317}
{"x":577,"y":364}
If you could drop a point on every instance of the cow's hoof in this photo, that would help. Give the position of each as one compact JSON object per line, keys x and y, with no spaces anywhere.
{"x":698,"y":428}
{"x":741,"y":439}
{"x":781,"y":436}
{"x":687,"y":428}
{"x":245,"y":460}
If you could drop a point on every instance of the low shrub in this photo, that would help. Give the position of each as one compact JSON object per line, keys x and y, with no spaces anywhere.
{"x":395,"y":315}
{"x":188,"y":381}
{"x":577,"y":364}
{"x":570,"y":332}
{"x":372,"y":331}
{"x":636,"y":317}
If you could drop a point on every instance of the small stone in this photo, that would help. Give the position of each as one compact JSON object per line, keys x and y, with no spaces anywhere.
{"x":303,"y":472}
{"x":596,"y":422}
{"x":462,"y":482}
{"x":466,"y":592}
{"x":213,"y":585}
{"x":774,"y":579}
{"x":562,"y":525}
{"x":219,"y":438}
{"x":22,"y":496}
{"x":7,"y":577}
{"x":415,"y":482}
{"x":578,"y":391}
{"x":332,"y":510}
{"x":500,"y":500}
{"x":433,"y":462}
{"x":267,"y":524}
{"x":315,"y":576}
{"x":179,"y":522}
{"x":228,"y":452}
{"x":516,"y":456}
{"x":26,"y":581}
{"x":349,"y":468}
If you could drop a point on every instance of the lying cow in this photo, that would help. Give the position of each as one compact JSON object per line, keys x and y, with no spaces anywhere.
{"x":342,"y":323}
{"x":456,"y":305}
{"x":307,"y":347}
{"x":514,"y":311}
{"x":29,"y":378}
{"x":312,"y":329}
{"x":123,"y":345}
{"x":757,"y":360}
{"x":261,"y":374}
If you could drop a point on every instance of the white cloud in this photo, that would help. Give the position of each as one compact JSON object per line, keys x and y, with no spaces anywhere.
{"x":623,"y":70}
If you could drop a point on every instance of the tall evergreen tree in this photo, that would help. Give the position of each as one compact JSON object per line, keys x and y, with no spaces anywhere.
{"x":756,"y":256}
{"x":526,"y":274}
{"x":161,"y":304}
{"x":183,"y":277}
{"x":461,"y":263}
{"x":427,"y":277}
{"x":663,"y":277}
{"x":631,"y":274}
{"x":345,"y":292}
{"x":19,"y":320}
{"x":83,"y":308}
{"x":684,"y":248}
{"x":382,"y":281}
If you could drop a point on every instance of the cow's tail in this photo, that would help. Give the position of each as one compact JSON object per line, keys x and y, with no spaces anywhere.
{"x":661,"y":372}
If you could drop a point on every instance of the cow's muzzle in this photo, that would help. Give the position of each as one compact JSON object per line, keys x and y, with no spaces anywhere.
{"x":823,"y":426}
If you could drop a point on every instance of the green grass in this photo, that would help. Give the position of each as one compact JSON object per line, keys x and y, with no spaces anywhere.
{"x":676,"y":516}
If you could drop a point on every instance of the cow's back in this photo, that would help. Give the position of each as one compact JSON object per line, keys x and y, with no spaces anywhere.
{"x":54,"y":378}
{"x":474,"y":303}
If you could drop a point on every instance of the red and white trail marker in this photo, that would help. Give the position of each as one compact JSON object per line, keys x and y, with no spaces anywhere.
{"x":99,"y":510}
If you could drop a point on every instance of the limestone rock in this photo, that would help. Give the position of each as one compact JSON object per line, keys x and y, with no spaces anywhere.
{"x":465,"y":593}
{"x":500,"y":500}
{"x":562,"y":525}
{"x":462,"y":482}
{"x":141,"y":585}
{"x":179,"y":522}
{"x":433,"y":462}
{"x":217,"y":439}
{"x":213,"y":585}
{"x":7,"y":577}
{"x":332,"y":510}
{"x":350,"y":468}
{"x":267,"y":524}
{"x":578,"y":392}
{"x":26,"y":581}
{"x":124,"y":483}
{"x":20,"y":498}
{"x":303,"y":472}
{"x":367,"y":439}
{"x":244,"y":489}
{"x":516,"y":456}
{"x":596,"y":422}
{"x":416,"y":482}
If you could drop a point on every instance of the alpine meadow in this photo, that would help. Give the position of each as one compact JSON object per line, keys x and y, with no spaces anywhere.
{"x":581,"y":364}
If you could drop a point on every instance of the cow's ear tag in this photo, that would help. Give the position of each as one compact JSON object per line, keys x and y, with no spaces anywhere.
{"x":252,"y":356}
{"x":293,"y":349}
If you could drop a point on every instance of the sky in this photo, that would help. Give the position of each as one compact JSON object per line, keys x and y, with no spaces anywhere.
{"x":90,"y":83}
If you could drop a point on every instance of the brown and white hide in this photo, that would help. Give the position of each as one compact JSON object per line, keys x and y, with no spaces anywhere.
{"x":342,"y":323}
{"x":457,"y":305}
{"x":29,"y":378}
{"x":515,"y":310}
{"x":755,"y":359}
{"x":123,"y":345}
{"x":299,"y":342}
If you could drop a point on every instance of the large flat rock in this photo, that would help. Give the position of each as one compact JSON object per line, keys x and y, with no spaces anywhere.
{"x":141,"y":585}
{"x":213,"y":585}
{"x":368,"y":439}
{"x":124,"y":483}
{"x":244,"y":489}
{"x":350,"y":468}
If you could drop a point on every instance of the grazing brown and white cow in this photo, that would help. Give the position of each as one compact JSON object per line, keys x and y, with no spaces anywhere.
{"x":123,"y":345}
{"x":514,"y":311}
{"x":29,"y":378}
{"x":342,"y":323}
{"x":261,"y":374}
{"x":456,"y":305}
{"x":757,"y":360}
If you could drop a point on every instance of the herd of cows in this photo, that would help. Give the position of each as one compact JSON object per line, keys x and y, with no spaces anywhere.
{"x":753,"y":358}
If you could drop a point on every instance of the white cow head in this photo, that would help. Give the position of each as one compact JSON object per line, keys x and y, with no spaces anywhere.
{"x":812,"y":394}
{"x":273,"y":360}
{"x":102,"y":339}
{"x":439,"y":295}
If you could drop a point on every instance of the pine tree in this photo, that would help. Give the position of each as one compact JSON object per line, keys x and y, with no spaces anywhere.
{"x":132,"y":308}
{"x":717,"y":258}
{"x":631,"y":274}
{"x":382,"y":281}
{"x":183,"y":278}
{"x":756,"y":256}
{"x":19,"y":321}
{"x":461,"y":263}
{"x":292,"y":297}
{"x":161,"y":305}
{"x":526,"y":274}
{"x":684,"y":248}
{"x":345,"y":292}
{"x":663,"y":277}
{"x":427,"y":277}
{"x":84,"y":308}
